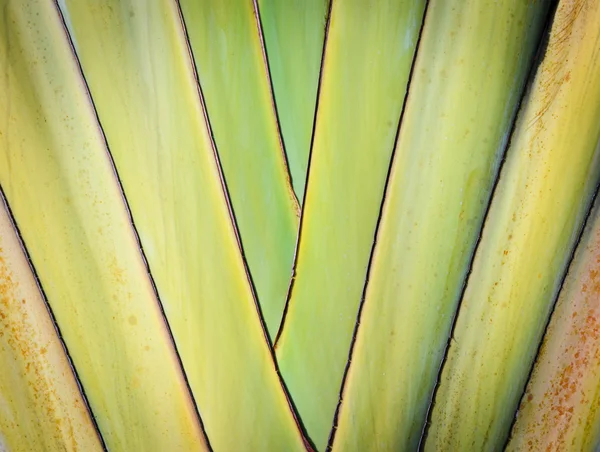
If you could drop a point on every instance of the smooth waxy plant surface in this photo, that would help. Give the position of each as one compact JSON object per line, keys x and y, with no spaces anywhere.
{"x":299,"y":225}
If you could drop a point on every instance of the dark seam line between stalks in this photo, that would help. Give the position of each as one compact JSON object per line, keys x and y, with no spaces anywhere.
{"x":310,"y":152}
{"x":334,"y":426}
{"x":53,"y":319}
{"x":282,"y":148}
{"x":133,"y":227}
{"x":524,"y":92}
{"x":234,"y":225}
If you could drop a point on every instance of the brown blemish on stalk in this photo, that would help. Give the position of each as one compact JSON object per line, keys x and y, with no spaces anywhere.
{"x":552,"y":76}
{"x":566,"y":402}
{"x":19,"y":334}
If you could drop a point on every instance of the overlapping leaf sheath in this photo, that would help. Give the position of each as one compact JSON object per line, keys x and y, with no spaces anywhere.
{"x":560,"y":409}
{"x":67,"y":203}
{"x":227,"y":47}
{"x":471,"y":68}
{"x":368,"y":56}
{"x":543,"y":195}
{"x":136,"y":60}
{"x":294,"y":31}
{"x":41,"y":407}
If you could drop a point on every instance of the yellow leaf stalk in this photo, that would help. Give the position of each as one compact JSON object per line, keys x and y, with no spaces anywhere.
{"x":461,"y":106}
{"x":544,"y":192}
{"x":561,"y":407}
{"x":136,"y":60}
{"x":41,"y":407}
{"x":227,"y":45}
{"x":60,"y":184}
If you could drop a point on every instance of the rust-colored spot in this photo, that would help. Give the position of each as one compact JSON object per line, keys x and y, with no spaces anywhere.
{"x":19,"y":330}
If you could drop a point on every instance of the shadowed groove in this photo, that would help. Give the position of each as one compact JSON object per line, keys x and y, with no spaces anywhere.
{"x":38,"y":283}
{"x":226,"y":196}
{"x":133,"y":227}
{"x":379,"y":216}
{"x":310,"y":152}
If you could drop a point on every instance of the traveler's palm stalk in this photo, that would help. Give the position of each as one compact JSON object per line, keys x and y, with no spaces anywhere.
{"x":466,"y":86}
{"x":365,"y":71}
{"x":42,"y":408}
{"x":150,"y":295}
{"x":560,"y":409}
{"x":294,"y":31}
{"x":224,"y":36}
{"x":551,"y":171}
{"x":171,"y":179}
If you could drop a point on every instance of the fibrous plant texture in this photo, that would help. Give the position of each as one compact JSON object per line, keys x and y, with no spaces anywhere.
{"x":284,"y":225}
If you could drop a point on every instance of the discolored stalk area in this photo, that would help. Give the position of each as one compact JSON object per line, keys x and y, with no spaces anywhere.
{"x":560,"y":408}
{"x":543,"y":195}
{"x":67,"y":203}
{"x":42,"y":406}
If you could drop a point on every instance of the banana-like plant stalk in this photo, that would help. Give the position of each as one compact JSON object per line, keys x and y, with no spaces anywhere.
{"x":155,"y":293}
{"x":67,"y":203}
{"x":543,"y":195}
{"x":561,"y":407}
{"x":137,"y":62}
{"x":294,"y":32}
{"x":42,"y":406}
{"x":463,"y":98}
{"x":228,"y":49}
{"x":368,"y":56}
